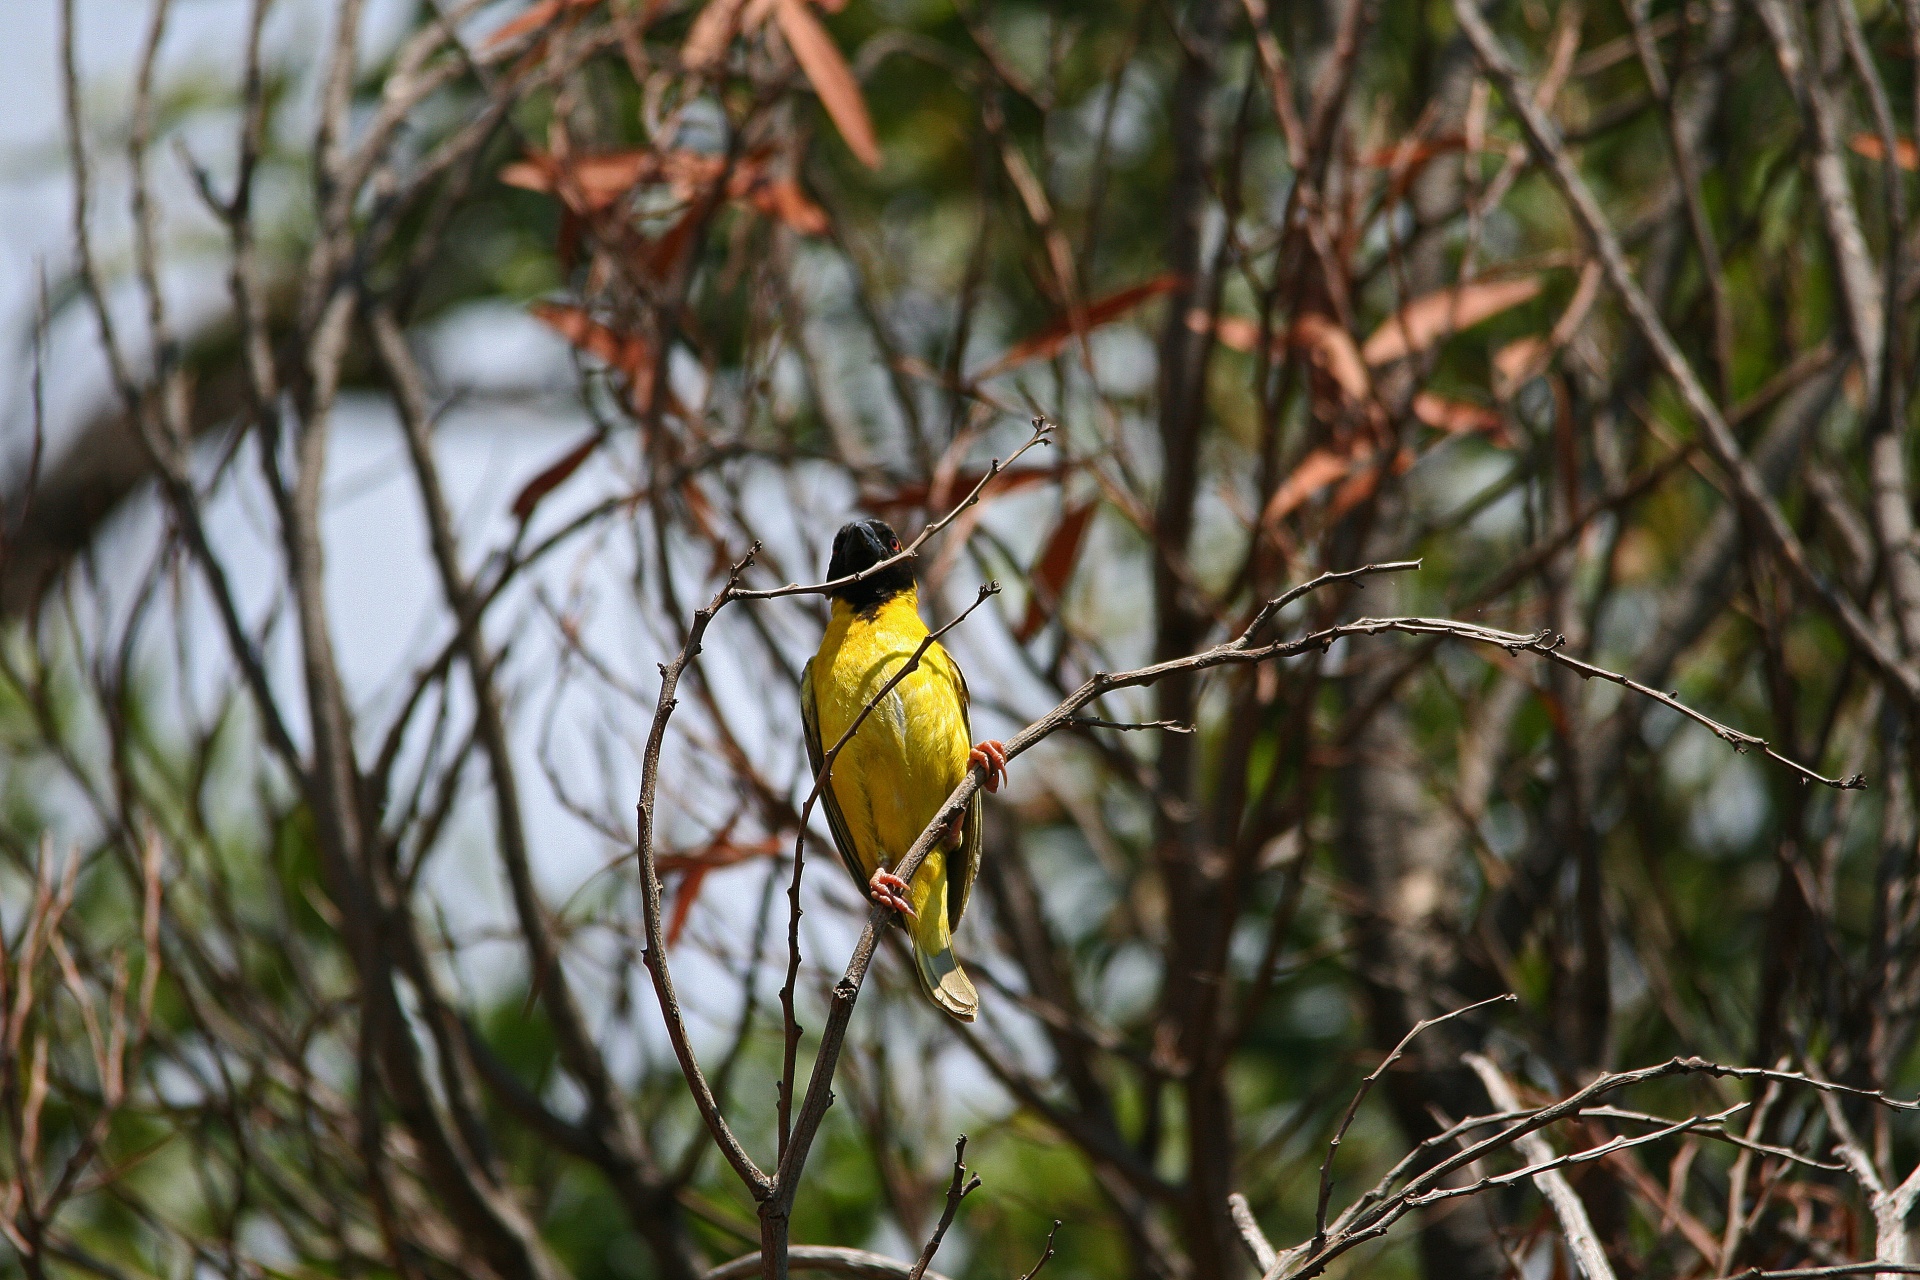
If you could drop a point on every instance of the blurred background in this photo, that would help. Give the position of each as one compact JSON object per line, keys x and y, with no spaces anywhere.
{"x":387,"y":384}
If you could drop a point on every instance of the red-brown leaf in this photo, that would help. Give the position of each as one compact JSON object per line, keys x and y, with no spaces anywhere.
{"x":1431,"y":317}
{"x":538,"y":16}
{"x":553,"y":477}
{"x":1457,"y":417}
{"x":683,"y":902}
{"x":1409,"y":153}
{"x":831,"y":78}
{"x":1334,"y":351}
{"x":723,"y":851}
{"x":916,"y":494}
{"x":663,"y":255}
{"x":709,"y":35}
{"x":1236,"y":333}
{"x":587,"y":183}
{"x":625,"y":353}
{"x":782,"y":200}
{"x":1905,"y":154}
{"x":1049,"y":342}
{"x":1332,"y":348}
{"x":1320,"y":468}
{"x":1519,"y":362}
{"x":1053,"y":567}
{"x":1364,"y":481}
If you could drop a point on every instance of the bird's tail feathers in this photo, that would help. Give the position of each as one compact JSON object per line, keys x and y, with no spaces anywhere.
{"x":945,"y":982}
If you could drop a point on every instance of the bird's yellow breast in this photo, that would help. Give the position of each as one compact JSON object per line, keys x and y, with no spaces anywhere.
{"x":909,"y":755}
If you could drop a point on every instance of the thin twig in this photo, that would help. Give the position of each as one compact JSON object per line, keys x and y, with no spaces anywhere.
{"x":1047,"y":1256}
{"x":959,"y":1189}
{"x":750,"y":1174}
{"x":1360,"y":1095}
{"x":1042,"y":434}
{"x":1567,"y":1206}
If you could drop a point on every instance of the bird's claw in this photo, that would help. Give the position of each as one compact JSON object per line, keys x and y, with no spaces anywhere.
{"x":990,"y":755}
{"x":889,"y":890}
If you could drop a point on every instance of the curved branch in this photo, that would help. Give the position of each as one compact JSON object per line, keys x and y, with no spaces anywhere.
{"x":831,"y":1259}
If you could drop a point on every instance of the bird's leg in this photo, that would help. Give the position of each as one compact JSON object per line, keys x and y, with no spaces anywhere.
{"x":889,"y":890}
{"x":990,"y":755}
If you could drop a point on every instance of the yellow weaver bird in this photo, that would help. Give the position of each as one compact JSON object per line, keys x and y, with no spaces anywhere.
{"x":896,"y":771}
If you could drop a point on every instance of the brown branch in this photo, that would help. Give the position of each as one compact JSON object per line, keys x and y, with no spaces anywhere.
{"x":1375,"y":1212}
{"x":957,"y":1190}
{"x":1544,"y":1170}
{"x":1047,"y":1255}
{"x":1749,"y":487}
{"x":1042,"y":434}
{"x":757,"y":1182}
{"x":627,"y":1161}
{"x":831,"y":1259}
{"x":1360,"y":1095}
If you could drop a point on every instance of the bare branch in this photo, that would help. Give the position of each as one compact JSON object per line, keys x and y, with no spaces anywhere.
{"x":1042,"y":434}
{"x":957,"y":1190}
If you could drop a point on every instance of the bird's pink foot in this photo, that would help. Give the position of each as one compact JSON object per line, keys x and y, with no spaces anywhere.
{"x":889,"y":890}
{"x":990,"y":755}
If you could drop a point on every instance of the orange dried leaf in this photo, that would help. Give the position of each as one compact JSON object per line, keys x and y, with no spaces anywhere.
{"x":1428,"y":319}
{"x":1905,"y":154}
{"x":1363,"y":483}
{"x":1519,"y":362}
{"x":538,"y":16}
{"x":553,"y":477}
{"x":784,"y":201}
{"x":1049,"y":342}
{"x":1410,"y":153}
{"x":1456,"y":417}
{"x":831,"y":78}
{"x":683,"y":902}
{"x":917,"y":494}
{"x":1320,"y":468}
{"x":1053,"y":567}
{"x":625,"y":353}
{"x":588,"y":183}
{"x":711,"y":33}
{"x":1236,"y":333}
{"x":1332,"y":348}
{"x":722,"y":851}
{"x":617,"y":350}
{"x":536,"y":173}
{"x":1334,"y":351}
{"x":604,"y":178}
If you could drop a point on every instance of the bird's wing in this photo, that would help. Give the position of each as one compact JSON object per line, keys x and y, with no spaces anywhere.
{"x":816,"y":756}
{"x":962,"y":869}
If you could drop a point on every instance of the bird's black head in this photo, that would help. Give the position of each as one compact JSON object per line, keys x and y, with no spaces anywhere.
{"x":860,"y":545}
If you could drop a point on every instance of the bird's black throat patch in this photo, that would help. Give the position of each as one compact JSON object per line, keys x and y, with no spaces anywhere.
{"x":858,"y":546}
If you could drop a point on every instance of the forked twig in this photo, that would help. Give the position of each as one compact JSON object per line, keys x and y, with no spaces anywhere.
{"x":1360,"y":1095}
{"x":958,"y":1189}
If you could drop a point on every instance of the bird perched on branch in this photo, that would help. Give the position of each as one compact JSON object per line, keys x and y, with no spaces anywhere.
{"x":890,"y":779}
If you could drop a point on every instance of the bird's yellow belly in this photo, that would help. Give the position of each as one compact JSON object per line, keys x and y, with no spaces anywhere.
{"x":908,"y":755}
